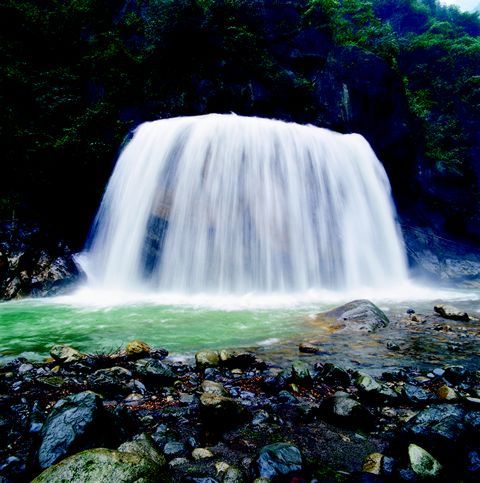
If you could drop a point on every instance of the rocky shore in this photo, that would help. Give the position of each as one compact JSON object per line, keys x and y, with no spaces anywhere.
{"x":138,"y":415}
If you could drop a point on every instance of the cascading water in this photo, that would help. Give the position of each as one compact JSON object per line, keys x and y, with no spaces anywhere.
{"x":231,"y":204}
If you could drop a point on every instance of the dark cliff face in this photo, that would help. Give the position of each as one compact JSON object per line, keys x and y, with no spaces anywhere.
{"x":348,"y":66}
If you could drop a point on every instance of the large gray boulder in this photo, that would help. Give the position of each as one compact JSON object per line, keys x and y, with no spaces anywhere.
{"x":73,"y":424}
{"x":358,"y":315}
{"x":102,"y":465}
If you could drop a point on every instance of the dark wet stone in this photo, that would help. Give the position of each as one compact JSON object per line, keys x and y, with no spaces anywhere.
{"x":439,"y":426}
{"x":72,"y":424}
{"x":260,"y":417}
{"x":417,"y":394}
{"x":111,"y":381}
{"x":174,"y":449}
{"x":472,"y":419}
{"x":155,"y":370}
{"x":286,"y":397}
{"x":388,"y":466}
{"x":37,"y":419}
{"x":473,"y":463}
{"x":218,"y":411}
{"x":332,"y":374}
{"x":358,"y":315}
{"x":239,"y":359}
{"x":279,"y":459}
{"x":301,"y":373}
{"x":407,"y":474}
{"x":342,"y":409}
{"x":372,"y":389}
{"x":456,"y":374}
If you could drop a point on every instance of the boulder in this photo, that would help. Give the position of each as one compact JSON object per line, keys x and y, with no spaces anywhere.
{"x":102,"y":465}
{"x":423,"y":463}
{"x":66,"y":354}
{"x":276,"y":460}
{"x":74,"y":423}
{"x":358,"y":315}
{"x":450,"y":312}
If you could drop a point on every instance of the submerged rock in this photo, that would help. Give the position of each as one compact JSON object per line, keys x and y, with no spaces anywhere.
{"x":279,"y":459}
{"x":308,"y":348}
{"x":357,"y":315}
{"x":450,"y":312}
{"x":73,"y":424}
{"x":102,"y":465}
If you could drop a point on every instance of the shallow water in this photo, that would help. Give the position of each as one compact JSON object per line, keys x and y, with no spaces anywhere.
{"x":273,"y":325}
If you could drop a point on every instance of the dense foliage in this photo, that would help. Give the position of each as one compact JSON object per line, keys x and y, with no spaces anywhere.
{"x":77,"y":76}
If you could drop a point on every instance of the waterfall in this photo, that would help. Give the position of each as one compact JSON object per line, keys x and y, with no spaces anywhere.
{"x":232,"y":204}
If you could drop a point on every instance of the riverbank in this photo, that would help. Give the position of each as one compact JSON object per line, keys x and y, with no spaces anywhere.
{"x":231,"y":416}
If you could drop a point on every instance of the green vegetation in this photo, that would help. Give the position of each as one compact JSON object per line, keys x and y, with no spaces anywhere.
{"x":77,"y":76}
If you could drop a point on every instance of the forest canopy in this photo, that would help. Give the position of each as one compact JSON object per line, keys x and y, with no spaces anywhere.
{"x":77,"y":76}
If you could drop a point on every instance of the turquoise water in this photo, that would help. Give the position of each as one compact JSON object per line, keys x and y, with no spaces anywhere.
{"x":31,"y":327}
{"x":273,"y":325}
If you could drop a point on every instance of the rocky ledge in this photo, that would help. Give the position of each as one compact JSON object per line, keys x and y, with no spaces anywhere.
{"x":137,"y":415}
{"x":34,"y":263}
